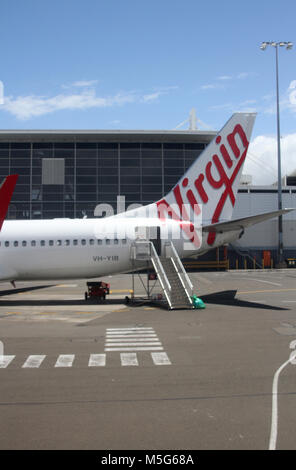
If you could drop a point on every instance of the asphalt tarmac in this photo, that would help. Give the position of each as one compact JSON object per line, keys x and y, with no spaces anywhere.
{"x":86,"y":375}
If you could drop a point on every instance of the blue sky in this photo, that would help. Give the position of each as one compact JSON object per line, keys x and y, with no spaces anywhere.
{"x":98,"y":64}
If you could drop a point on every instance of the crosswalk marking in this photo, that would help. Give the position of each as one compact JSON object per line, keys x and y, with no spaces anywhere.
{"x":134,"y":336}
{"x":5,"y":361}
{"x":135,"y":348}
{"x":132,"y":343}
{"x":65,"y":360}
{"x":160,"y":359}
{"x":134,"y":328}
{"x":97,"y":360}
{"x":127,"y":341}
{"x":34,"y":361}
{"x":132,"y":339}
{"x":129,"y":359}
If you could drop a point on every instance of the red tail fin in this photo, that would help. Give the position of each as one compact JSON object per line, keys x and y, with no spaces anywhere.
{"x":6,"y":191}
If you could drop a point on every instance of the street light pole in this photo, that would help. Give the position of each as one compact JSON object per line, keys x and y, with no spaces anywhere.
{"x":263,"y":46}
{"x":280,"y":204}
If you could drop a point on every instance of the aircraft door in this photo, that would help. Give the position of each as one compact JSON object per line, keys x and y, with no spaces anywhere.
{"x":152,"y":234}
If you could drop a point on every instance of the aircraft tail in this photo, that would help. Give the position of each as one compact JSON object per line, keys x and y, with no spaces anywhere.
{"x":210,"y":185}
{"x":6,"y":191}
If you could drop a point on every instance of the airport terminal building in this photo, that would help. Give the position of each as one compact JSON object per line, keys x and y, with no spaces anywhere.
{"x":68,"y":173}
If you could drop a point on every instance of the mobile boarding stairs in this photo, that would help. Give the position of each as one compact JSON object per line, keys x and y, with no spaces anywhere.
{"x":173,"y":278}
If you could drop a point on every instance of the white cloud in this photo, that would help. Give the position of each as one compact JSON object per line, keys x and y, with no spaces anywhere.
{"x":85,"y":83}
{"x":210,"y":86}
{"x":292,"y":95}
{"x":152,"y":96}
{"x":30,"y":106}
{"x":26,"y":107}
{"x":80,"y":84}
{"x":243,"y":75}
{"x":225,"y":77}
{"x":261,"y":161}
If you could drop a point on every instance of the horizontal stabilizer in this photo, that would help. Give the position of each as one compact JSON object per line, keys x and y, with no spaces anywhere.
{"x":244,"y":222}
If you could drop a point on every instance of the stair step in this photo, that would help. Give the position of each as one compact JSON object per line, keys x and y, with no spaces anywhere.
{"x":178,"y":296}
{"x":182,"y":305}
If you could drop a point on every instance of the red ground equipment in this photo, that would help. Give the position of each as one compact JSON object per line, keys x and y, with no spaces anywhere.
{"x":97,"y":290}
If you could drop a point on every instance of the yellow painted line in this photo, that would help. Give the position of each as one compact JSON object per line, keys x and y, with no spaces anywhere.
{"x":45,"y":313}
{"x":266,"y":290}
{"x":66,"y":285}
{"x":149,"y":308}
{"x":121,"y":291}
{"x":13,"y":313}
{"x":87,"y":313}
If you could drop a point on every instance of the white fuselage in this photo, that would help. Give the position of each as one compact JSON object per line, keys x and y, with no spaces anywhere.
{"x":81,"y":248}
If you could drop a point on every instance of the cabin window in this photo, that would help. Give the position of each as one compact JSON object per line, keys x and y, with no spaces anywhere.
{"x":83,"y":242}
{"x":91,"y":241}
{"x":108,"y":241}
{"x":99,"y":242}
{"x":15,"y":243}
{"x":116,"y":241}
{"x":24,"y":243}
{"x":33,"y":243}
{"x":50,"y":242}
{"x":67,"y":242}
{"x":124,"y":241}
{"x":6,"y":243}
{"x":75,"y":242}
{"x":59,"y":242}
{"x":42,"y":242}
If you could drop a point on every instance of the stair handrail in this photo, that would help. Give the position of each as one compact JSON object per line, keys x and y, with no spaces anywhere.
{"x":185,"y":279}
{"x":164,"y":282}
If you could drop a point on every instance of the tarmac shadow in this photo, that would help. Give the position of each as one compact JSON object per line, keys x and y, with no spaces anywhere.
{"x":57,"y":302}
{"x":228,"y":297}
{"x":24,"y":289}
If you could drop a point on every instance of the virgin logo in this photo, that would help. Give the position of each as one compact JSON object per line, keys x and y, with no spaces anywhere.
{"x":223,"y":180}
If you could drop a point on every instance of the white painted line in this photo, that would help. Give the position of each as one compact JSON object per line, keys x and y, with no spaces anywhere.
{"x":274,"y":416}
{"x":5,"y":361}
{"x":34,"y":361}
{"x":129,"y":359}
{"x":142,"y":335}
{"x":293,"y":353}
{"x":129,"y":329}
{"x":265,"y":282}
{"x":97,"y":360}
{"x":136,"y":348}
{"x":130,"y":332}
{"x":155,"y":343}
{"x":65,"y":360}
{"x":160,"y":359}
{"x":136,"y":338}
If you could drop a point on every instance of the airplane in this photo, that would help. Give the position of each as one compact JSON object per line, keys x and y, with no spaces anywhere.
{"x":195,"y":215}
